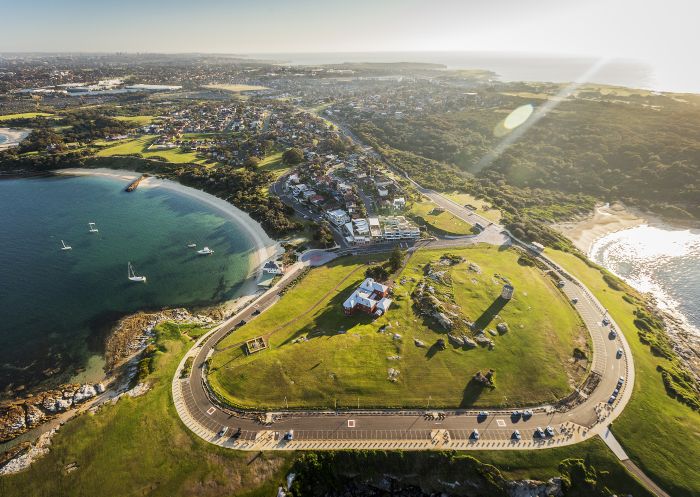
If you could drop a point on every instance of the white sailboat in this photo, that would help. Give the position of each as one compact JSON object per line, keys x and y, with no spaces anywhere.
{"x":93,"y":228}
{"x":65,"y":247}
{"x":132,"y":275}
{"x":205,"y":251}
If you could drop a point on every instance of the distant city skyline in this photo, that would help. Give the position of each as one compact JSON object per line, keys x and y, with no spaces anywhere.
{"x":666,"y":38}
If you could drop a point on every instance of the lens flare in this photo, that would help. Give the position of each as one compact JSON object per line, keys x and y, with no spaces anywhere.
{"x":515,"y":118}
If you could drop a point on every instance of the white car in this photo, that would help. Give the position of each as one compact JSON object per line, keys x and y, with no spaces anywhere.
{"x":549,"y":431}
{"x":474,"y":435}
{"x":516,"y":435}
{"x":619,"y":353}
{"x":539,"y":432}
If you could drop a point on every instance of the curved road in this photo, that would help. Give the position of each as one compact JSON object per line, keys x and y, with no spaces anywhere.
{"x":587,"y":412}
{"x":588,"y":415}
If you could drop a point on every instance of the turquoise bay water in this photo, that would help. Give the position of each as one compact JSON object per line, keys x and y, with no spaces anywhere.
{"x":55,"y":306}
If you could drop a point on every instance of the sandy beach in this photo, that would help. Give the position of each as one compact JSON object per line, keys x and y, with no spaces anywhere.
{"x":605,"y":219}
{"x":14,"y":136}
{"x":265,"y":247}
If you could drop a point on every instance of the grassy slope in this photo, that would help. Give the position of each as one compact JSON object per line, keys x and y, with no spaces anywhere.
{"x":483,"y":207}
{"x":330,"y":366}
{"x":140,"y":145}
{"x":235,"y":88}
{"x":26,"y":115}
{"x":140,"y":447}
{"x":443,"y":221}
{"x":660,"y":434}
{"x":274,"y":164}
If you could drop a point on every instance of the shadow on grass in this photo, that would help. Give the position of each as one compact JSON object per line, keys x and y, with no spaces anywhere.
{"x":487,"y":316}
{"x":471,"y":393}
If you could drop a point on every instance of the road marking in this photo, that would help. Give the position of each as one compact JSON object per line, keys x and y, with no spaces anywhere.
{"x":211,"y":411}
{"x":501,"y":423}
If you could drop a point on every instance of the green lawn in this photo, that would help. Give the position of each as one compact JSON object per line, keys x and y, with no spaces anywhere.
{"x":140,"y":120}
{"x":439,"y":219}
{"x":330,"y":366}
{"x":25,"y":115}
{"x":660,"y":434}
{"x":140,"y":146}
{"x":274,"y":164}
{"x":483,"y":208}
{"x":140,"y":447}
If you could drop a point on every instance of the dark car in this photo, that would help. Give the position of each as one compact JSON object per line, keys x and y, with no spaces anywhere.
{"x":241,"y":323}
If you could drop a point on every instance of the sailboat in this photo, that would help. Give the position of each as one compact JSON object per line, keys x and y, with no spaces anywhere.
{"x":93,"y":228}
{"x":65,"y":247}
{"x":205,"y":251}
{"x":191,"y":245}
{"x":132,"y":275}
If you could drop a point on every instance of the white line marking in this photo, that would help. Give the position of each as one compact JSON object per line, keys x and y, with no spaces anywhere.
{"x":211,"y":411}
{"x":351,"y":423}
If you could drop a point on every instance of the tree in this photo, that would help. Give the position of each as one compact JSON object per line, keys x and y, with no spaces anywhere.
{"x":252,"y":162}
{"x":292,"y":156}
{"x":377,"y":273}
{"x":396,"y":259}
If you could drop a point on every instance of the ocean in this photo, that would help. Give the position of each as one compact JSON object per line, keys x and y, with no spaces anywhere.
{"x":56,"y":306}
{"x":522,"y":67}
{"x":662,"y":261}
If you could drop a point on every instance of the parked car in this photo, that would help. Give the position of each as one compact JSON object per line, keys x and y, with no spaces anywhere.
{"x":474,"y":435}
{"x":574,"y":300}
{"x":289,"y":435}
{"x":619,"y":353}
{"x":256,"y":312}
{"x":549,"y":431}
{"x":482,"y":415}
{"x":613,"y":334}
{"x":222,"y":432}
{"x":516,"y":435}
{"x":527,"y":414}
{"x":539,"y":432}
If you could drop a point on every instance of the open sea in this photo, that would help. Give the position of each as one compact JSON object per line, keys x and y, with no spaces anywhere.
{"x":662,"y":261}
{"x":56,"y":306}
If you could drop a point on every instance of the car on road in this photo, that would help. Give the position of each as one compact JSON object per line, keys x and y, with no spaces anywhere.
{"x":474,"y":435}
{"x":289,"y":435}
{"x":574,"y":300}
{"x":256,"y":312}
{"x":527,"y":414}
{"x":606,"y":321}
{"x":516,"y":435}
{"x":241,"y":323}
{"x":561,"y":283}
{"x":539,"y":432}
{"x":549,"y":431}
{"x":222,"y":432}
{"x":619,"y":353}
{"x":612,"y":335}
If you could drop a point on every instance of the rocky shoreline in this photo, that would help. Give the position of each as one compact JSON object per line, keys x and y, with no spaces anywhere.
{"x":124,"y":346}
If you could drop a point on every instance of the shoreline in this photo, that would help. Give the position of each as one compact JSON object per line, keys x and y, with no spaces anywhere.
{"x":606,"y":219}
{"x":14,"y":136}
{"x":265,"y":247}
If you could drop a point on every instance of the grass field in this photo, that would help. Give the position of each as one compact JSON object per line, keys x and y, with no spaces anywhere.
{"x":660,"y":434}
{"x":439,"y":220}
{"x":330,"y":366}
{"x":25,"y":115}
{"x":140,"y":447}
{"x":274,"y":164}
{"x":483,"y":208}
{"x":235,"y":88}
{"x":140,"y":120}
{"x":140,"y":146}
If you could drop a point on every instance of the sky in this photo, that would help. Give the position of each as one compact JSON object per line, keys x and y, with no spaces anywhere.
{"x":662,"y":34}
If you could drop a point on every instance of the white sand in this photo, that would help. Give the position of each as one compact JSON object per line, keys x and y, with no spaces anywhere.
{"x":605,"y":219}
{"x":265,"y":248}
{"x":14,"y":136}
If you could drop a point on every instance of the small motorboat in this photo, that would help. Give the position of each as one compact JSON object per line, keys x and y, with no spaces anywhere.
{"x":205,"y":251}
{"x":132,"y":275}
{"x":93,"y":228}
{"x":65,"y":247}
{"x":191,"y":245}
